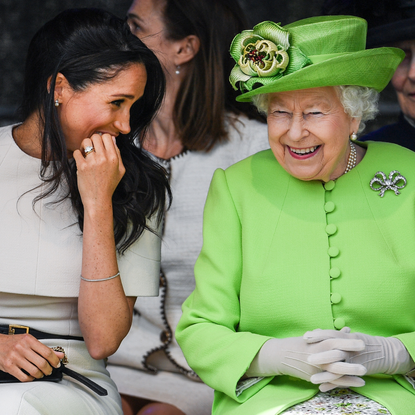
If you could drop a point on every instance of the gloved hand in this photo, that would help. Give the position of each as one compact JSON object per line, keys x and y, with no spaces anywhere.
{"x":289,"y":356}
{"x":381,"y":354}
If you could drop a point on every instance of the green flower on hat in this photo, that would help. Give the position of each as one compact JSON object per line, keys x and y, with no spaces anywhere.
{"x":263,"y":58}
{"x":263,"y":55}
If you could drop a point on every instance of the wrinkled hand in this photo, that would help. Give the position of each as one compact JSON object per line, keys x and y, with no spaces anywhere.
{"x":99,"y":172}
{"x":22,"y":353}
{"x":380,"y":355}
{"x":290,"y":357}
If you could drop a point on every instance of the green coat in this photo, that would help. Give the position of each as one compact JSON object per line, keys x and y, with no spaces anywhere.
{"x":283,"y":256}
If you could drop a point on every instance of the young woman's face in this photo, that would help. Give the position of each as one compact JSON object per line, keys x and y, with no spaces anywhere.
{"x":100,"y":108}
{"x":309,"y":132}
{"x":145,"y":18}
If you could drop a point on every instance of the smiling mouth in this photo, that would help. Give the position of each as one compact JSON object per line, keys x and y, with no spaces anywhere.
{"x":303,"y":151}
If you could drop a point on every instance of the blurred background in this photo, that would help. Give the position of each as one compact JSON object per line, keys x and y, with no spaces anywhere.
{"x":20,"y":19}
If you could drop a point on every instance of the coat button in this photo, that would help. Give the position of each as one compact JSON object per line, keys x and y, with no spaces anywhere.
{"x":339,"y":323}
{"x":333,"y":251}
{"x":334,"y":272}
{"x":330,"y":185}
{"x":331,"y":229}
{"x":336,"y":298}
{"x":329,"y":207}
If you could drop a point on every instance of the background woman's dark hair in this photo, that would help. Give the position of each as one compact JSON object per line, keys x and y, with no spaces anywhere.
{"x":89,"y":46}
{"x":206,"y":94}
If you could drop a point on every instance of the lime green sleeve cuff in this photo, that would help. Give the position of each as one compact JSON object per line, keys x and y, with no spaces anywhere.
{"x":408,"y":340}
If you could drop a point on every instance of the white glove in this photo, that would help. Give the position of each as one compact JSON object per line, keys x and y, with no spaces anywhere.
{"x":381,"y":354}
{"x":289,"y":356}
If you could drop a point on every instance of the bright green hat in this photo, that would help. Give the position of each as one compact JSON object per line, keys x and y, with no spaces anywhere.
{"x":314,"y":52}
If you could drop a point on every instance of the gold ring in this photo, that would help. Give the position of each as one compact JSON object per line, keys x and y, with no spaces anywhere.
{"x":88,"y":150}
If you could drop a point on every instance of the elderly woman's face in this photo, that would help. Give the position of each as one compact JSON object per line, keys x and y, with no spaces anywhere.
{"x":309,"y":132}
{"x":403,"y":79}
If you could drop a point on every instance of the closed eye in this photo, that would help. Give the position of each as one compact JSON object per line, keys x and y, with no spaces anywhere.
{"x":277,"y":112}
{"x":313,"y":114}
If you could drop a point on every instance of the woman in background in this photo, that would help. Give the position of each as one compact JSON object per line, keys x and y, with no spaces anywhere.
{"x":81,"y":206}
{"x":199,"y":128}
{"x":390,"y":23}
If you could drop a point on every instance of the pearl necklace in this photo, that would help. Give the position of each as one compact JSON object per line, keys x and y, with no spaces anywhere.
{"x":351,"y":161}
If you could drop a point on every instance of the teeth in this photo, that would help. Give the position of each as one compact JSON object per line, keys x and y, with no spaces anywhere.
{"x":303,"y":150}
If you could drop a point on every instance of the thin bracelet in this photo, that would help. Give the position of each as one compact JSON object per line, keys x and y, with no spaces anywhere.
{"x":101,"y":279}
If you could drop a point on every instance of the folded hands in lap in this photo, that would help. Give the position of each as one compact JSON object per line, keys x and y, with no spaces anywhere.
{"x":331,"y":358}
{"x":385,"y":355}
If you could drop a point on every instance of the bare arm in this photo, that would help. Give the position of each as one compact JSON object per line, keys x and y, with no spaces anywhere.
{"x":105,"y":313}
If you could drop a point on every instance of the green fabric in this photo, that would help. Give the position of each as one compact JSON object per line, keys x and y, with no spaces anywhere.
{"x":264,"y":272}
{"x":322,"y":51}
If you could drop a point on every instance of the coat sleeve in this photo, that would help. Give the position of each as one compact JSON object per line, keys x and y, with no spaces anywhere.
{"x":408,"y":340}
{"x":208,"y":330}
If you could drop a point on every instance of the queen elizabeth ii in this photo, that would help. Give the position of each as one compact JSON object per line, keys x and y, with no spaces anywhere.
{"x":306,"y":281}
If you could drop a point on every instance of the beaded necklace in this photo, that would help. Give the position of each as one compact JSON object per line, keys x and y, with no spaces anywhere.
{"x":351,"y":161}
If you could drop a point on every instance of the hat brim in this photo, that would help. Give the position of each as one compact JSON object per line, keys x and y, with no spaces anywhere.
{"x":370,"y":68}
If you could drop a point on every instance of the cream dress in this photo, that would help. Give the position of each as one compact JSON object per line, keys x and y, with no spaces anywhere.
{"x":40,"y":265}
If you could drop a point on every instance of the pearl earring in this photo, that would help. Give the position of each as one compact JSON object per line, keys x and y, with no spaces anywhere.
{"x":177,"y":69}
{"x":353,"y":137}
{"x":56,"y":103}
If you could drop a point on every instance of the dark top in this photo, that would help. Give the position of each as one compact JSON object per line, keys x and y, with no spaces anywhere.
{"x":401,"y":133}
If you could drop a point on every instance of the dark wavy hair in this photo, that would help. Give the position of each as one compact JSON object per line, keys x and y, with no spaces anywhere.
{"x":91,"y":46}
{"x":206,"y":94}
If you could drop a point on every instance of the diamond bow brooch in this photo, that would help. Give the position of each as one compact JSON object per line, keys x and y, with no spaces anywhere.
{"x":394,"y":182}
